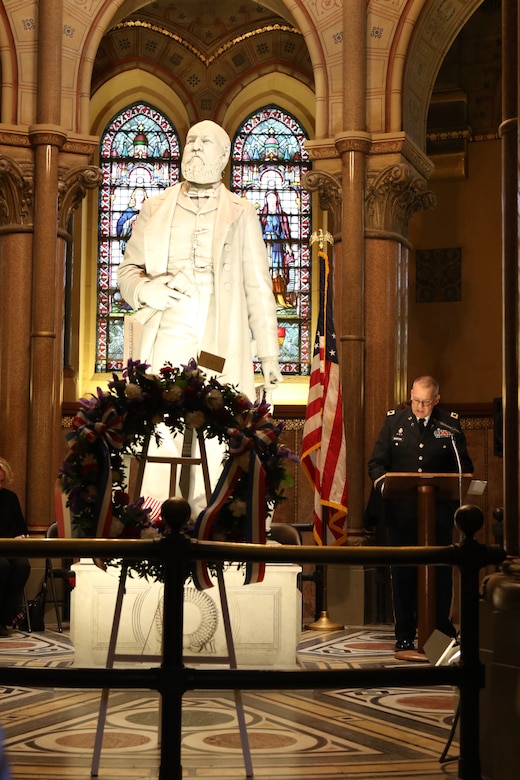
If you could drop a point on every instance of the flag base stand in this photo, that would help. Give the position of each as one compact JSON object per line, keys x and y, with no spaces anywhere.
{"x":325,"y":624}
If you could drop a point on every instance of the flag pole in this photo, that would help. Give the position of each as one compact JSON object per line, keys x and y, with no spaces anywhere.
{"x":324,"y":623}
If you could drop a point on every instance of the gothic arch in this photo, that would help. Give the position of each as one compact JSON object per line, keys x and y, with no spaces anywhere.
{"x":113,"y":11}
{"x":315,"y":47}
{"x":108,"y":14}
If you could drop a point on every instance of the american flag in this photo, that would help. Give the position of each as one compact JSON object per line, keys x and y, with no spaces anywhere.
{"x":324,"y":444}
{"x":154,"y":505}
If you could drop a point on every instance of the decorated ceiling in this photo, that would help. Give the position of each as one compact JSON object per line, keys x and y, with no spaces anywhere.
{"x":205,"y":48}
{"x":209,"y":49}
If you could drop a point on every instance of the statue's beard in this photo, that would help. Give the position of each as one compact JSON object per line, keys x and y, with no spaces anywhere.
{"x":199,"y":172}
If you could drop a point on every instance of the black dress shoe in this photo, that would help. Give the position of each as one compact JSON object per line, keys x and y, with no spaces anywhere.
{"x":404,"y":644}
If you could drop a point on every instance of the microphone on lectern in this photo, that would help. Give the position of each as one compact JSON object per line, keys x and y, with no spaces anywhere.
{"x":454,"y":432}
{"x":447,"y":427}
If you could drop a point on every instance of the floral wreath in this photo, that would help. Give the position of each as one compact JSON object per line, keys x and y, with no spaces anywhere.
{"x":121,"y":420}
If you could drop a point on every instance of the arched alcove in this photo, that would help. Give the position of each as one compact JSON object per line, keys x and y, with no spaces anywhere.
{"x":435,"y":30}
{"x":171,"y":58}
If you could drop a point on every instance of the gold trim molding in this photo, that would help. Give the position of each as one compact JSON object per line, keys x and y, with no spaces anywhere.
{"x":207,"y":61}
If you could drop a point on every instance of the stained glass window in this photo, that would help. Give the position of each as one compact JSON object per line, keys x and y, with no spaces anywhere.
{"x":139,"y":156}
{"x":268,"y":164}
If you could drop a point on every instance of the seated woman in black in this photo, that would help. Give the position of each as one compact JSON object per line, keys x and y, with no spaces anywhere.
{"x":14,"y":572}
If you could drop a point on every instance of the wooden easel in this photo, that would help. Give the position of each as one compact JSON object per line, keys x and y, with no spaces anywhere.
{"x":113,"y":656}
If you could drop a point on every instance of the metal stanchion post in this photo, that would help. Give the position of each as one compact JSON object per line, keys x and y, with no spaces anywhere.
{"x":324,"y":623}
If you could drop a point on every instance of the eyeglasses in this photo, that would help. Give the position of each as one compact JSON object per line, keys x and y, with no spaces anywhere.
{"x":422,"y":403}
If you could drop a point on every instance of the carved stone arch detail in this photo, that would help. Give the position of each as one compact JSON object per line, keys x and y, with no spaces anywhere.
{"x":434,"y":30}
{"x":393,"y":196}
{"x":328,"y":188}
{"x":16,"y":194}
{"x":72,"y":188}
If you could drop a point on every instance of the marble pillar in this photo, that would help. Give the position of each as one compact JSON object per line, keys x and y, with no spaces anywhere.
{"x":353,"y":144}
{"x":394,"y":193}
{"x":46,"y":349}
{"x":15,"y":312}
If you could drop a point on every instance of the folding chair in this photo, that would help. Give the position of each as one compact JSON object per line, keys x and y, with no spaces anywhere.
{"x":53,"y":573}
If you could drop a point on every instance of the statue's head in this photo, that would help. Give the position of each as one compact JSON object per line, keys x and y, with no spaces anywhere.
{"x":206,"y":153}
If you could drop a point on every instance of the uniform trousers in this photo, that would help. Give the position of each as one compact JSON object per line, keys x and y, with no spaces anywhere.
{"x":404,"y":583}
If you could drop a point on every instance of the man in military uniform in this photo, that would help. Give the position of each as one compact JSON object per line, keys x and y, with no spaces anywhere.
{"x":416,"y":439}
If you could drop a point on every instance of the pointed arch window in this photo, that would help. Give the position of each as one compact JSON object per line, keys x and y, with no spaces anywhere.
{"x":139,"y":157}
{"x":268,"y":162}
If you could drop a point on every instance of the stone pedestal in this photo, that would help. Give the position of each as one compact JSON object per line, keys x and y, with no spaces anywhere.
{"x":265,"y":617}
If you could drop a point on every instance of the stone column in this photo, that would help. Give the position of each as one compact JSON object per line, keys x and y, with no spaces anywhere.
{"x":350,"y":316}
{"x":394,"y":194}
{"x":47,"y":138}
{"x":353,"y":144}
{"x":58,"y":192}
{"x":16,"y":199}
{"x":46,"y":365}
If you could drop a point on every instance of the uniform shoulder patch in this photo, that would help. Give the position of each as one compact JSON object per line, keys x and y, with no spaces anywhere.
{"x":454,"y":415}
{"x":390,"y":412}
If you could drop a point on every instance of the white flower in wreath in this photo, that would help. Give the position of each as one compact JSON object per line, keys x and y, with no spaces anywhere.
{"x":214,"y":399}
{"x":195,"y":419}
{"x":117,"y":527}
{"x":172,"y":394}
{"x":132,"y":391}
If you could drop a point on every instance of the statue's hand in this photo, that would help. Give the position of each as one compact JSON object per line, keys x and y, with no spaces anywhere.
{"x":182,"y":284}
{"x":158,"y":294}
{"x":271,"y":372}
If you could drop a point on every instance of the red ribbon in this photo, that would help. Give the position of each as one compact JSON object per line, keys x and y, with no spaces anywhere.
{"x":109,"y":433}
{"x":249,"y":442}
{"x":110,"y":428}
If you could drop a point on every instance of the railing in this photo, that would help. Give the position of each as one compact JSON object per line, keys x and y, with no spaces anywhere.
{"x":172,"y":678}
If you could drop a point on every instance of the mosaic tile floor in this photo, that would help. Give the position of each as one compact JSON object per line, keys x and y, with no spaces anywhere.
{"x":331,"y":734}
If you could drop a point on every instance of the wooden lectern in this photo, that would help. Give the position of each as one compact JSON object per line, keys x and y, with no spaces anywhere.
{"x":429,"y":488}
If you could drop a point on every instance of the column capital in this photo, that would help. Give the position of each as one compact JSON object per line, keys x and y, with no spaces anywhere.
{"x":16,"y":194}
{"x":72,"y":188}
{"x":328,"y":187}
{"x":393,"y":195}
